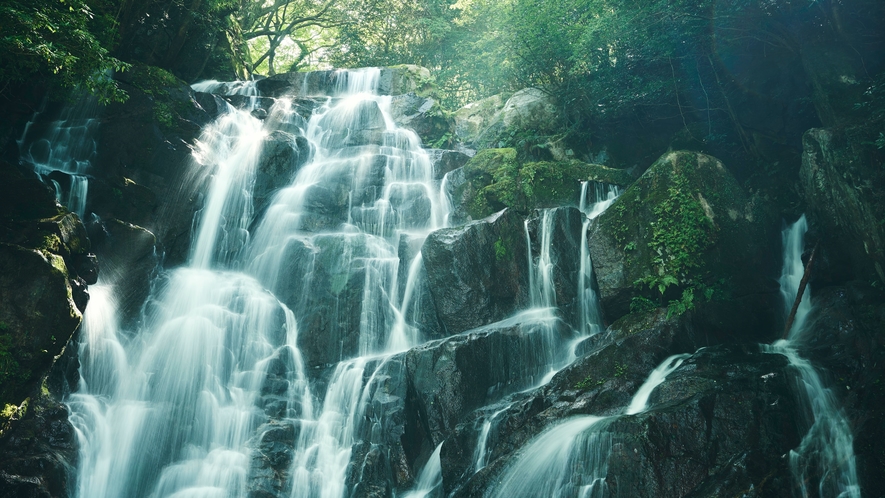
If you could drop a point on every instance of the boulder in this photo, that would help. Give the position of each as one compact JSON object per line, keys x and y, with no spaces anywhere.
{"x":494,"y":122}
{"x":446,"y":161}
{"x":37,"y":317}
{"x":476,"y":271}
{"x":421,"y":115}
{"x":685,"y":235}
{"x":282,"y":155}
{"x":472,"y":120}
{"x":842,"y":180}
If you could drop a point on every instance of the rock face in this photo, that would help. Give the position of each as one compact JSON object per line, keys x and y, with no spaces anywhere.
{"x":685,"y":234}
{"x":42,"y":249}
{"x":144,"y":173}
{"x":474,"y":271}
{"x":842,"y":181}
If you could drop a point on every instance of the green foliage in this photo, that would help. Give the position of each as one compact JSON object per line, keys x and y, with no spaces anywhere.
{"x":501,"y":252}
{"x":588,"y":383}
{"x":60,"y":40}
{"x":640,"y":304}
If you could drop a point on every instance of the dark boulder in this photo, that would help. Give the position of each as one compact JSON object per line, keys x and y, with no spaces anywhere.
{"x":446,"y":161}
{"x":476,"y":271}
{"x":282,"y":155}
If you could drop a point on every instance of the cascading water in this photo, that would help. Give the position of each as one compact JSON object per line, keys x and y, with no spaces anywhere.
{"x":66,"y":146}
{"x":170,"y":410}
{"x":543,"y":296}
{"x":571,"y":458}
{"x":603,"y":196}
{"x":824,"y":462}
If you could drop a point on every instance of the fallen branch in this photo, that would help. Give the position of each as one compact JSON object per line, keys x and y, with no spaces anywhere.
{"x":802,"y":285}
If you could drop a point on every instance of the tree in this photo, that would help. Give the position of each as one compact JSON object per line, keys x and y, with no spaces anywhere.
{"x":64,"y":42}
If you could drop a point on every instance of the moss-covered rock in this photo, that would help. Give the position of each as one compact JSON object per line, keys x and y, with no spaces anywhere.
{"x":686,"y":234}
{"x":496,"y":179}
{"x":37,"y":317}
{"x":843,"y":182}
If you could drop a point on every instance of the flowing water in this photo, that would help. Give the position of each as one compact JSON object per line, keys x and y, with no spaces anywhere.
{"x":824,"y":464}
{"x":571,"y":458}
{"x":63,"y":151}
{"x":173,"y":408}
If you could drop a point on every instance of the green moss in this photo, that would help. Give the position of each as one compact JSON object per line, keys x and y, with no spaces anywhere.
{"x":498,"y":180}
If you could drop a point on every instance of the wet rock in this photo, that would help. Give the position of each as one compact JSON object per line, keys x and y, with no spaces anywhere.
{"x":474,"y":271}
{"x":38,"y":454}
{"x":842,"y":178}
{"x":145,"y":153}
{"x":282,"y":155}
{"x":37,"y":317}
{"x":128,"y":259}
{"x":271,"y":459}
{"x":389,"y":440}
{"x":348,"y":126}
{"x":453,"y":377}
{"x":324,"y":287}
{"x":445,"y":161}
{"x":86,"y":266}
{"x":685,"y":234}
{"x":565,"y":256}
{"x":719,"y":424}
{"x":843,"y":341}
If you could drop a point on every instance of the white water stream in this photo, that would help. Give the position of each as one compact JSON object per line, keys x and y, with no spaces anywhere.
{"x":548,"y":465}
{"x":66,"y":145}
{"x":824,"y":463}
{"x":170,"y":409}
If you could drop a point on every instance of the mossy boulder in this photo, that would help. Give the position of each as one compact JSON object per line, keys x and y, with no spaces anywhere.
{"x":686,"y":235}
{"x":37,"y":317}
{"x":496,"y":179}
{"x":843,"y":182}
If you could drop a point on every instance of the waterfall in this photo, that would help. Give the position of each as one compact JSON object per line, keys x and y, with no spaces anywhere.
{"x":430,"y":478}
{"x":571,"y":458}
{"x":175,"y":407}
{"x":824,"y":463}
{"x":62,"y":151}
{"x":603,"y":196}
